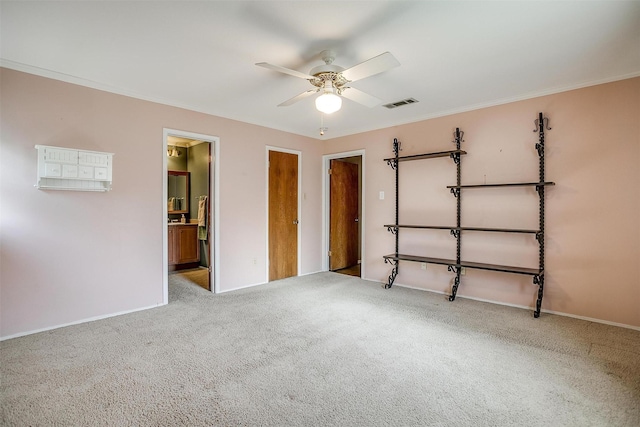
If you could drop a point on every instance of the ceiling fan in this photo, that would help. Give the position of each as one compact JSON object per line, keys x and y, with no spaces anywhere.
{"x":333,"y":81}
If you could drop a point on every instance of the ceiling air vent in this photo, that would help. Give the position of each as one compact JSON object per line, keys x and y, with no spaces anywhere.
{"x":401,"y":103}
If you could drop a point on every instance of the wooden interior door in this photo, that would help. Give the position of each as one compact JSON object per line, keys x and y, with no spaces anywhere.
{"x":343,"y":215}
{"x":283,"y":215}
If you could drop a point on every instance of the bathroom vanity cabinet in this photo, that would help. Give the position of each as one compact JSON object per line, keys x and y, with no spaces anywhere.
{"x":184,"y":250}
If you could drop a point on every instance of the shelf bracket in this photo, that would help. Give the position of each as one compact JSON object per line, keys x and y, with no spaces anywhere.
{"x":392,"y":277}
{"x":456,"y":281}
{"x":391,"y":261}
{"x":455,"y":157}
{"x":540,"y":237}
{"x":455,"y":233}
{"x":455,"y":192}
{"x":457,"y":136}
{"x":538,"y":279}
{"x":394,"y":272}
{"x":545,"y":124}
{"x":541,"y":123}
{"x":392,"y":230}
{"x":397,"y":146}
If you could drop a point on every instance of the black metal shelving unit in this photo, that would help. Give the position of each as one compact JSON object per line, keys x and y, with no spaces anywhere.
{"x":456,"y":265}
{"x":394,"y":162}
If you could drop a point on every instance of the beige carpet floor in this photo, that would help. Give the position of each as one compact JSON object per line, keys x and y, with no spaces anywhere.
{"x":323,"y":350}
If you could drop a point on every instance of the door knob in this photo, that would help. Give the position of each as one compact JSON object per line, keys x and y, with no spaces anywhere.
{"x":295,"y":222}
{"x":357,"y":219}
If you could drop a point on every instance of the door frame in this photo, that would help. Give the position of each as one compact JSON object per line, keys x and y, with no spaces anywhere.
{"x":266,"y":180}
{"x":214,"y":184}
{"x":326,"y":207}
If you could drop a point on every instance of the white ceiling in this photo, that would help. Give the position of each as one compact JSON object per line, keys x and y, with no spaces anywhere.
{"x":454,"y":56}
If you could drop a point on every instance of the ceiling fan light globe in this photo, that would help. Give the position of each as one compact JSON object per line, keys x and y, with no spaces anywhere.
{"x":328,"y":103}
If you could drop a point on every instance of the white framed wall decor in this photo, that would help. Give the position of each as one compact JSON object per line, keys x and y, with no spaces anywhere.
{"x":71,"y":169}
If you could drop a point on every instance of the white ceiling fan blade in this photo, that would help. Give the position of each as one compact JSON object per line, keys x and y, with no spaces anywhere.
{"x":375,"y":65}
{"x":360,"y":97}
{"x":293,"y":73}
{"x":298,"y":98}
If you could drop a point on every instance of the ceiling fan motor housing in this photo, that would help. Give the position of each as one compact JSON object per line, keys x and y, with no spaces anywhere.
{"x":336,"y":79}
{"x":328,"y":72}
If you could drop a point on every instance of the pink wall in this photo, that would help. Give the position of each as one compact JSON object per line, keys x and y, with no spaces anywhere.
{"x":68,"y":256}
{"x":593,"y":233}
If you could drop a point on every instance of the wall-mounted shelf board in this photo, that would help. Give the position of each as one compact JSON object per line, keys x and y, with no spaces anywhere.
{"x":427,"y":155}
{"x":514,"y":184}
{"x":466,"y":264}
{"x":62,"y":168}
{"x":443,"y":227}
{"x":426,"y":227}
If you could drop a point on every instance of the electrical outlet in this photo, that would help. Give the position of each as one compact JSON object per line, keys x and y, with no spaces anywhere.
{"x":463,"y":271}
{"x":423,"y":265}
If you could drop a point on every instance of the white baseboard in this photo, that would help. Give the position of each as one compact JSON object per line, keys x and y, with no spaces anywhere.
{"x":106,"y":316}
{"x":251,"y":285}
{"x":77,"y":322}
{"x":314,"y":272}
{"x":557,"y":313}
{"x":591,"y":319}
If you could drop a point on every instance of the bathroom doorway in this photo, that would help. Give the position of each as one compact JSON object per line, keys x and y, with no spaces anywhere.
{"x":190,"y":200}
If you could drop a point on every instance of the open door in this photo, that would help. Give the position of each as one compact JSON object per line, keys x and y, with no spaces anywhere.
{"x":200,"y":163}
{"x":344,"y":227}
{"x":283,"y":215}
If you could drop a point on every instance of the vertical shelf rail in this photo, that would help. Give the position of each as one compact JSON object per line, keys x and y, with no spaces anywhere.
{"x":542,"y":123}
{"x":457,"y":233}
{"x":394,"y":163}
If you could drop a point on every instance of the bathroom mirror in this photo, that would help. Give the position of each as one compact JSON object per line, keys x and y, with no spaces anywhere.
{"x":178,"y":192}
